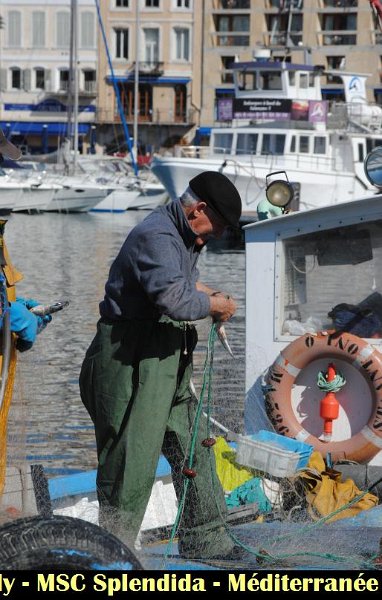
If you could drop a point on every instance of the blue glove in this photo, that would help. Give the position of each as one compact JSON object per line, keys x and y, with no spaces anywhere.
{"x":29,"y":303}
{"x":24,"y":323}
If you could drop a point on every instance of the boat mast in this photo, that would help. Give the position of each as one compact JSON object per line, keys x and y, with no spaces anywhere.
{"x":136,"y":82}
{"x":72,"y":124}
{"x":75,"y":77}
{"x":116,"y":90}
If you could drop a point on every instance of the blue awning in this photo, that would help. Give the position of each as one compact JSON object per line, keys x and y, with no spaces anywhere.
{"x":157,"y":79}
{"x":26,"y":127}
{"x":204,"y":130}
{"x":225,"y":91}
{"x":332,"y":92}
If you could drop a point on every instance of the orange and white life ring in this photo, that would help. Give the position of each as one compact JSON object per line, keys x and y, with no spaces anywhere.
{"x":282,"y":375}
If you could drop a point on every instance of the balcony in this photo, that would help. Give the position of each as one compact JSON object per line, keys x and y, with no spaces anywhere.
{"x":89,"y":88}
{"x":283,"y":38}
{"x":338,"y":38}
{"x":231,"y":39}
{"x":339,"y":3}
{"x":151,"y":67}
{"x":152,"y":117}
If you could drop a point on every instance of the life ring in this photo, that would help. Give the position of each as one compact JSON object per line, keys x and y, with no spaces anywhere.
{"x":282,"y":375}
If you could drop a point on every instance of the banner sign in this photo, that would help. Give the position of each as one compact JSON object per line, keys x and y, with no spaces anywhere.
{"x":313,"y":111}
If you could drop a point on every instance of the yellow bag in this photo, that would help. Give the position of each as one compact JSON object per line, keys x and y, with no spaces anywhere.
{"x":326,"y":493}
{"x":230,"y":473}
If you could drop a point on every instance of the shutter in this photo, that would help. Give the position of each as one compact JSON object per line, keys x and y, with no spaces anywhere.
{"x":3,"y":79}
{"x":48,"y":80}
{"x":26,"y":80}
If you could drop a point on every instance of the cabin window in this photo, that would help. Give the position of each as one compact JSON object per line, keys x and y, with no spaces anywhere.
{"x":270,"y":80}
{"x":273,"y":144}
{"x":319,"y":145}
{"x":346,"y":262}
{"x":246,"y":143}
{"x":304,"y":144}
{"x":222,"y":143}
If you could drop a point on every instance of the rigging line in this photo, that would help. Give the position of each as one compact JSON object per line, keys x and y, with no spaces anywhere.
{"x":116,"y":90}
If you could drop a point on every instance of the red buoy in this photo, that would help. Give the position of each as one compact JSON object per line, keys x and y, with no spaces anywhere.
{"x":329,"y":406}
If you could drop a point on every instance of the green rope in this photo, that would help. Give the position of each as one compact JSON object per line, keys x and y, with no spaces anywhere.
{"x":330,"y":386}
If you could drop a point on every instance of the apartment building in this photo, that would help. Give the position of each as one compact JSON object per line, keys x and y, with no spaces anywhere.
{"x":37,"y":103}
{"x":156,"y":70}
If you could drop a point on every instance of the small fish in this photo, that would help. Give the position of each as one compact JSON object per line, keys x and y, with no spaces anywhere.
{"x":220,"y":330}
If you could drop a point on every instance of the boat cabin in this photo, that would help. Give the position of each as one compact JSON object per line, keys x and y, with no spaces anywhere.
{"x":299,"y":267}
{"x":277,"y":79}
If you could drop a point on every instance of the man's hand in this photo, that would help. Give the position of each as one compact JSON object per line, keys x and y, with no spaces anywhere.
{"x":222,"y":307}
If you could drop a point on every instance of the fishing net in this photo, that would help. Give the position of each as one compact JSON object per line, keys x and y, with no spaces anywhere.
{"x":286,"y":522}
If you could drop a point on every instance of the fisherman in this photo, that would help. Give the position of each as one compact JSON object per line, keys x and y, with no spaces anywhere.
{"x":135,"y":379}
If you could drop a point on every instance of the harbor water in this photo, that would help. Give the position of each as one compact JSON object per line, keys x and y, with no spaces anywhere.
{"x":67,"y":256}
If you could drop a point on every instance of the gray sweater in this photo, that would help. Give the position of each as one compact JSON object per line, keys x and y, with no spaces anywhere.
{"x":155,"y":271}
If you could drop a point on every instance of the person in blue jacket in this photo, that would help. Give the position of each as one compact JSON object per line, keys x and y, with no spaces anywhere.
{"x":23,"y":322}
{"x":135,"y":379}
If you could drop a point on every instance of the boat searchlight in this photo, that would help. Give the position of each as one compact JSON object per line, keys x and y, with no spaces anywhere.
{"x":279,"y":192}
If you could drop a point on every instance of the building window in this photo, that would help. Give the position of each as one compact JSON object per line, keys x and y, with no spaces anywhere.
{"x":63,"y":29}
{"x":238,"y":4}
{"x":122,"y":3}
{"x":16,"y":78}
{"x":180,"y":103}
{"x":90,"y":80}
{"x":64,"y":80}
{"x":38,"y":29}
{"x":227,"y":73}
{"x":183,"y":4}
{"x":151,"y":45}
{"x":182,"y":44}
{"x":121,"y":43}
{"x":152,"y":3}
{"x":232,"y":24}
{"x":145,"y":102}
{"x":39,"y":78}
{"x":14,"y":29}
{"x":87,"y":30}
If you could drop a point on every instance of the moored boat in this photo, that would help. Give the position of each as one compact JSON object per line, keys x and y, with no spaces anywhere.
{"x":279,"y":121}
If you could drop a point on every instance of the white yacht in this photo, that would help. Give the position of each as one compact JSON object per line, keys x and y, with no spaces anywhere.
{"x":278,"y":121}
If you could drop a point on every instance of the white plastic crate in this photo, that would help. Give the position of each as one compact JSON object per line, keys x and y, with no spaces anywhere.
{"x":267,"y":457}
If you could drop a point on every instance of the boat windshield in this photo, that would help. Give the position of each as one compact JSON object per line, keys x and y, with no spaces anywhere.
{"x":327,"y":268}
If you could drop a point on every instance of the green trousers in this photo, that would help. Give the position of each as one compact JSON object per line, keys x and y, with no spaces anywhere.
{"x":135,"y":384}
